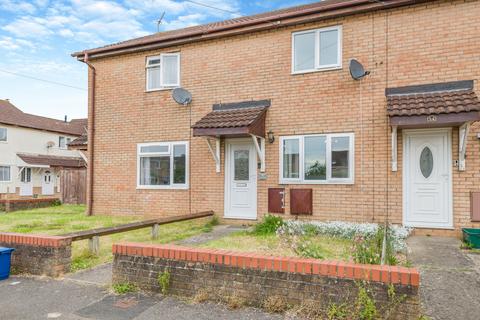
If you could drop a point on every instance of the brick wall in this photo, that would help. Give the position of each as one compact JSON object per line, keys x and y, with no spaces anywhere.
{"x":23,"y":204}
{"x":421,"y":47}
{"x":38,"y":255}
{"x":254,"y":278}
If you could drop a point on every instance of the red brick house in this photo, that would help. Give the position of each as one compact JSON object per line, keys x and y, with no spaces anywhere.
{"x":278,"y":124}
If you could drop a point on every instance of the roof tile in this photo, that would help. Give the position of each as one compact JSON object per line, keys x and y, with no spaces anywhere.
{"x":9,"y":114}
{"x":230,"y":118}
{"x":431,"y":103}
{"x":53,"y":161}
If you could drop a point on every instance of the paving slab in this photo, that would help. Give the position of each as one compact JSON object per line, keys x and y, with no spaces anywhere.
{"x":112,"y":307}
{"x":217,"y":233}
{"x":450,"y":281}
{"x":100,"y":275}
{"x":34,"y":298}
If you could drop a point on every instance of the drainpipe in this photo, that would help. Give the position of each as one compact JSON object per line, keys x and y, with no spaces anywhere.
{"x":91,"y":131}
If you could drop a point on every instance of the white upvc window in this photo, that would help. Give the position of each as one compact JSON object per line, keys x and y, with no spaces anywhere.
{"x":316,"y":50}
{"x":63,"y":142}
{"x":3,"y":135}
{"x":5,"y":174}
{"x":163,"y":71}
{"x":162,"y":165}
{"x":317,"y":159}
{"x":26,"y":175}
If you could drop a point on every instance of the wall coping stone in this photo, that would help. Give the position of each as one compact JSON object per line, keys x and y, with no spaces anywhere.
{"x":35,"y":240}
{"x":336,"y":269}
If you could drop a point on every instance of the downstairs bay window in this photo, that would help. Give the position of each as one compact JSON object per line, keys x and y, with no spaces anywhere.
{"x":162,"y":165}
{"x":322,"y":158}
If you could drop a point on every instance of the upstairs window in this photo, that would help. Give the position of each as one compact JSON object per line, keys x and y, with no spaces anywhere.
{"x":323,"y":158}
{"x":4,"y":173}
{"x":163,"y":165}
{"x":3,"y":134}
{"x":315,"y":50}
{"x":63,"y":142}
{"x":163,"y":71}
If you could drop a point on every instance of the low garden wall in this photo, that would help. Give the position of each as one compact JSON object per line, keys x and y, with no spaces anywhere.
{"x":23,"y":204}
{"x":38,"y":255}
{"x":258,"y":280}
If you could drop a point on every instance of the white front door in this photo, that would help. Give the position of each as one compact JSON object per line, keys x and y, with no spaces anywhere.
{"x":48,"y":183}
{"x":240,"y":180}
{"x":427,"y":196}
{"x":26,"y":186}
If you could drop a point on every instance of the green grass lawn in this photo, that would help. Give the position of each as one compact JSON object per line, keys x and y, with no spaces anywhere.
{"x":320,"y":247}
{"x":71,"y":218}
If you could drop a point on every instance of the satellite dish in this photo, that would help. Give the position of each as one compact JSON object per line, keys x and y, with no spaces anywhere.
{"x":50,"y":144}
{"x":356,"y":70}
{"x":181,"y":96}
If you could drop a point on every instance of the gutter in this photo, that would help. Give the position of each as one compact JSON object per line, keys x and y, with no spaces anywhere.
{"x":335,"y":10}
{"x":91,"y":132}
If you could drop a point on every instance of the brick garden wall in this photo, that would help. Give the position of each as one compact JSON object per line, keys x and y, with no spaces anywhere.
{"x":22,"y":204}
{"x":38,"y":255}
{"x":254,"y":278}
{"x":422,"y":48}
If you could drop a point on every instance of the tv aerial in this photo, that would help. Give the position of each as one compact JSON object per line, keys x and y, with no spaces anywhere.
{"x":182,"y":96}
{"x":357,"y":71}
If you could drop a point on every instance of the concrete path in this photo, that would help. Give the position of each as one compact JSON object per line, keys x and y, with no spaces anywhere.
{"x":42,"y":298}
{"x":100,"y":275}
{"x":450,"y":278}
{"x":217,"y":232}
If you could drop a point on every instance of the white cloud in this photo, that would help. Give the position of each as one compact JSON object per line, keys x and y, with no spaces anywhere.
{"x":67,"y":33}
{"x":17,"y":6}
{"x":9,"y":43}
{"x":184,"y":21}
{"x":27,"y":27}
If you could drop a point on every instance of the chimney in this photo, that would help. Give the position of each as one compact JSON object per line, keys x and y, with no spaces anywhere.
{"x":65,"y":118}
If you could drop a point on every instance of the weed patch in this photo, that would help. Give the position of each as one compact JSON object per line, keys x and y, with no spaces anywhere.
{"x":269,"y":225}
{"x":123,"y":288}
{"x":164,"y":281}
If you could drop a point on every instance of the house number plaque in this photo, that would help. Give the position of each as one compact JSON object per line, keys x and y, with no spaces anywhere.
{"x":432,"y":118}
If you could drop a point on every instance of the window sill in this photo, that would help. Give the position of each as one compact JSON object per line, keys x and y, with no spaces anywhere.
{"x":161,"y":89}
{"x":333,"y":68}
{"x":331,"y":182}
{"x":162,"y":187}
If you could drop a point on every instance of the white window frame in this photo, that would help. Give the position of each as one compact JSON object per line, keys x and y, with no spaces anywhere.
{"x":10,"y":173}
{"x":163,"y":86}
{"x":170,"y":153}
{"x":329,"y":179}
{"x":60,"y":145}
{"x":6,"y":135}
{"x":317,"y":66}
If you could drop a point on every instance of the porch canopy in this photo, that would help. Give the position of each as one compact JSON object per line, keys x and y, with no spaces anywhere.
{"x":234,"y":120}
{"x":38,"y":160}
{"x":448,"y":104}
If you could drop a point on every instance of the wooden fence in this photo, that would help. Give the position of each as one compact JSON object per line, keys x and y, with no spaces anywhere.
{"x":73,"y":185}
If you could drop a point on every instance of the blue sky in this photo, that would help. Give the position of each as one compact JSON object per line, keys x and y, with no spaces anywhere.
{"x":38,"y":36}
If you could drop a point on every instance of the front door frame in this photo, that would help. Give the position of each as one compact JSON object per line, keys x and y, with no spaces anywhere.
{"x":51,"y":184}
{"x":406,"y":182}
{"x":227,"y":184}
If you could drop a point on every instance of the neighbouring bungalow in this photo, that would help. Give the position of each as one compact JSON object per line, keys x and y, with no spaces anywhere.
{"x":34,"y":158}
{"x":278,"y":123}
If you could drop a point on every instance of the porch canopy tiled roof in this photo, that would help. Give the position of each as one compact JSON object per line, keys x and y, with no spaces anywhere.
{"x":52,"y":161}
{"x":234,"y":120}
{"x":440,"y":104}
